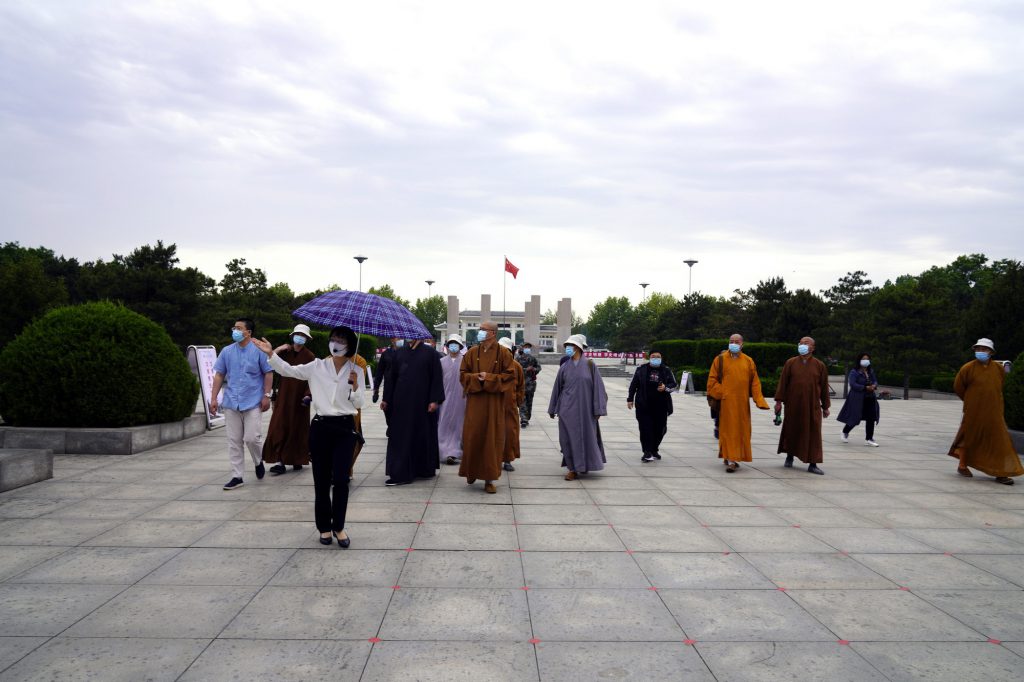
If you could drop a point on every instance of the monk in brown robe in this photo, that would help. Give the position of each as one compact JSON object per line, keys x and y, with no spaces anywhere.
{"x":803,"y":389}
{"x":738,"y":384}
{"x":515,"y":394}
{"x":288,"y":434}
{"x":983,"y":441}
{"x":485,"y":374}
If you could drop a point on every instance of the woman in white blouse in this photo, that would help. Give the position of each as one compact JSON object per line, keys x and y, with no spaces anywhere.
{"x":338,"y":390}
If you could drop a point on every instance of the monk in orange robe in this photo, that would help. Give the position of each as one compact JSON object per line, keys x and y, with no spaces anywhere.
{"x":803,"y":389}
{"x":983,"y":441}
{"x":485,"y":374}
{"x":737,"y":385}
{"x":515,"y":394}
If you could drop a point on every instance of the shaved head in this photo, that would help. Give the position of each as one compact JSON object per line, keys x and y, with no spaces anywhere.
{"x":809,"y":342}
{"x":736,"y":338}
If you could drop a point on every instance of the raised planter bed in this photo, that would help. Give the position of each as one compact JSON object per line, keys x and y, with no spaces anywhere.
{"x":124,"y":441}
{"x":24,"y":467}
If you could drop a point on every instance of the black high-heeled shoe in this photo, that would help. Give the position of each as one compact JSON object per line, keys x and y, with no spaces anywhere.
{"x":343,"y":543}
{"x":326,"y":540}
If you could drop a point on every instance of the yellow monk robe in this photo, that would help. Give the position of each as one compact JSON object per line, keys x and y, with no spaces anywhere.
{"x":803,"y":391}
{"x":515,"y":394}
{"x":483,"y":431}
{"x":739,"y":384}
{"x":983,"y":439}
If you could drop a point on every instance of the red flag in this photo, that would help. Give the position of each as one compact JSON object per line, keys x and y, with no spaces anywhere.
{"x":511,"y":268}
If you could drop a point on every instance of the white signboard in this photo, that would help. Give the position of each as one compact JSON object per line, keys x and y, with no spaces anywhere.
{"x":201,"y":359}
{"x":686,"y":383}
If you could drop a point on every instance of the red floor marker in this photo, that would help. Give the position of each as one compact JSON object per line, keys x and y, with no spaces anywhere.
{"x":396,"y":587}
{"x":844,"y":642}
{"x":428,"y":502}
{"x":653,"y":589}
{"x":726,"y":553}
{"x":689,"y":642}
{"x":419,"y":523}
{"x":947,"y":554}
{"x":525,"y":588}
{"x":703,"y":525}
{"x":796,"y":525}
{"x":629,"y":551}
{"x":534,"y":641}
{"x":994,"y":641}
{"x":905,"y":589}
{"x":781,"y":589}
{"x":409,"y":549}
{"x":374,"y":640}
{"x":611,"y":525}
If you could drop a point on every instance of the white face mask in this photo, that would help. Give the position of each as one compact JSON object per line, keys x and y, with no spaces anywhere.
{"x":481,"y":335}
{"x":338,"y":349}
{"x":865,"y":363}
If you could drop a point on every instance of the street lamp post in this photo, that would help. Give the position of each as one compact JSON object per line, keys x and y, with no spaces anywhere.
{"x":430,"y":283}
{"x":691,"y":263}
{"x":360,"y":259}
{"x":645,"y":285}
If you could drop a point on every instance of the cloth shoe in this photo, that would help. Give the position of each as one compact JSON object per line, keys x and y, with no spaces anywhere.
{"x":233,"y":483}
{"x":871,"y":444}
{"x":278,"y":469}
{"x":260,"y":470}
{"x":648,"y":457}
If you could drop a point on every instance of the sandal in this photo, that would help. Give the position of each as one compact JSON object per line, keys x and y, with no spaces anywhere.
{"x":964,"y":471}
{"x":731,"y":467}
{"x":1004,"y":480}
{"x":571,"y":476}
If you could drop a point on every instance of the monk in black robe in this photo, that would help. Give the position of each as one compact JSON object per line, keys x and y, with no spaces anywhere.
{"x":413,"y":390}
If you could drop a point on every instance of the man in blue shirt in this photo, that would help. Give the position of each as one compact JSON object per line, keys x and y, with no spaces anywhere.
{"x":247,"y":378}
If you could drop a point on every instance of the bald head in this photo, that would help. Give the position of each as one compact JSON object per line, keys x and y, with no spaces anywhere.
{"x":489,"y":326}
{"x":809,"y":342}
{"x":736,"y":338}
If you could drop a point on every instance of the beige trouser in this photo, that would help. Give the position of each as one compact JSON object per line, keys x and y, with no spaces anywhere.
{"x":243,"y":428}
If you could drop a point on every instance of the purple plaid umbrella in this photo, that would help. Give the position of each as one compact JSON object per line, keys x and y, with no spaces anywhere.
{"x":363,"y":313}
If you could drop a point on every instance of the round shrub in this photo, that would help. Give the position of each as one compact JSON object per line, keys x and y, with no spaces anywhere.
{"x":94,"y":365}
{"x":1013,"y":395}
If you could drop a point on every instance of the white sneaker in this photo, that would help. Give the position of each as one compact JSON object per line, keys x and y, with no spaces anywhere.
{"x":871,"y":444}
{"x":845,"y":438}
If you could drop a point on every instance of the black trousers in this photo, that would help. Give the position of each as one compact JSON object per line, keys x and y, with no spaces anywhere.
{"x":526,"y":409}
{"x":867,"y":412}
{"x":332,"y":441}
{"x":869,"y":429}
{"x":653,"y":425}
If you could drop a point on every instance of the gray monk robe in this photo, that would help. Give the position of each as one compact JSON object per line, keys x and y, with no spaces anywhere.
{"x":803,"y":391}
{"x":578,"y":399}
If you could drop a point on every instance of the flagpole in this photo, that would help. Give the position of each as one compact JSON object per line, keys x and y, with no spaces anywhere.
{"x":504,"y":284}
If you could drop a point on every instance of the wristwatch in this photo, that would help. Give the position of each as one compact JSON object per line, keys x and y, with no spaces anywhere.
{"x":268,"y":395}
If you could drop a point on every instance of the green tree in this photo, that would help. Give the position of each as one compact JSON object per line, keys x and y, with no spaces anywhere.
{"x":999,"y":313}
{"x":802,"y":313}
{"x":606,"y":320}
{"x":26,"y":290}
{"x":431,"y":311}
{"x":385,"y":291}
{"x":637,"y":331}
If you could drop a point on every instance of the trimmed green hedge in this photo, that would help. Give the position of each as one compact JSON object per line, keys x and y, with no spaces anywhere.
{"x":943,"y":383}
{"x":769,"y":357}
{"x":94,"y":365}
{"x":1013,"y":395}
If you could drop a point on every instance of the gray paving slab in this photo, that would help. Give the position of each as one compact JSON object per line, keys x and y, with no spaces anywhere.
{"x":478,"y":569}
{"x":468,"y":513}
{"x":870,"y":540}
{"x":272,"y":534}
{"x":103,"y":509}
{"x":287,"y":613}
{"x":602,"y":615}
{"x":16,"y":559}
{"x":380,"y":535}
{"x":37,"y":610}
{"x":560,"y":513}
{"x":736,"y":516}
{"x":333,"y":566}
{"x":492,"y":614}
{"x":276,"y":661}
{"x":13,"y":649}
{"x":975,"y":541}
{"x":640,"y":661}
{"x":661,"y":539}
{"x":106,"y":658}
{"x":817,"y":571}
{"x":153,"y":533}
{"x":917,"y":661}
{"x":742,"y":615}
{"x":770,"y":539}
{"x":198,"y":510}
{"x":563,"y":537}
{"x":220,"y":566}
{"x":571,"y":569}
{"x":65,"y":532}
{"x":784,"y":661}
{"x":933,"y":571}
{"x":719,"y":570}
{"x":657,"y":515}
{"x":460,"y":536}
{"x":29,"y":507}
{"x":995,"y":614}
{"x":1009,"y":567}
{"x":441,"y":661}
{"x":98,"y":565}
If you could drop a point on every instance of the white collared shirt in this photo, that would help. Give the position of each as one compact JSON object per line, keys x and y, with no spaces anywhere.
{"x":332,"y":395}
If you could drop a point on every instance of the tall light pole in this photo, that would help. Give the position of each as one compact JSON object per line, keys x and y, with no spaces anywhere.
{"x":691,"y":263}
{"x":360,"y":259}
{"x":430,"y":283}
{"x":645,"y":285}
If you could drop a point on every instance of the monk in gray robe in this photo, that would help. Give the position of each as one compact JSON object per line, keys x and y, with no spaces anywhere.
{"x":579,"y":400}
{"x":803,"y":389}
{"x":453,"y":410}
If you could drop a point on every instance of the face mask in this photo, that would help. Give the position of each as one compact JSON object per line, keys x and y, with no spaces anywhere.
{"x":237,"y":335}
{"x":481,"y":335}
{"x":299,"y":340}
{"x":570,"y":351}
{"x":526,"y":351}
{"x":803,"y":349}
{"x":655,"y":362}
{"x":338,"y":349}
{"x":865,"y":363}
{"x":982,"y":355}
{"x":734,"y":348}
{"x":454,"y":347}
{"x":399,"y":343}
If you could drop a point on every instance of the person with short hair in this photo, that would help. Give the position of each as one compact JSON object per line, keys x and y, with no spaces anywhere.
{"x":733,"y":380}
{"x":287,"y":441}
{"x":242,"y":370}
{"x":861,"y":403}
{"x":452,"y":412}
{"x":338,"y":389}
{"x":531,"y":368}
{"x":650,"y":392}
{"x":485,"y":374}
{"x":803,"y":389}
{"x":983,"y":442}
{"x":579,"y":400}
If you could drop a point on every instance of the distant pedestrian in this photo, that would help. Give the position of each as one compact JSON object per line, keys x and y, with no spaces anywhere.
{"x":485,"y":374}
{"x":803,"y":389}
{"x":862,"y":401}
{"x":983,"y":442}
{"x":287,"y":440}
{"x":650,"y":392}
{"x":452,"y":412}
{"x":579,"y":400}
{"x":733,"y":380}
{"x":247,"y":393}
{"x":531,"y":368}
{"x":380,"y":374}
{"x":514,"y":396}
{"x":338,"y":390}
{"x":413,"y":390}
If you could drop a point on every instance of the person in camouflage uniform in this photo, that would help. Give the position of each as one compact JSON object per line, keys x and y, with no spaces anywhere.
{"x":531,"y":368}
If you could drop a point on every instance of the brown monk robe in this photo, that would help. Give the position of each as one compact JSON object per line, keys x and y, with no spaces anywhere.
{"x":803,"y":389}
{"x":483,"y":431}
{"x":515,"y":394}
{"x":361,"y":362}
{"x":287,"y":440}
{"x":983,"y":442}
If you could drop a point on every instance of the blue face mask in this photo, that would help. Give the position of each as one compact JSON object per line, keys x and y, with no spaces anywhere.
{"x":237,"y":335}
{"x":655,"y":362}
{"x":982,"y":355}
{"x":570,"y":351}
{"x":803,"y":349}
{"x":526,"y":351}
{"x":399,"y":343}
{"x":299,"y":340}
{"x":454,"y":347}
{"x":481,"y":335}
{"x":734,"y":348}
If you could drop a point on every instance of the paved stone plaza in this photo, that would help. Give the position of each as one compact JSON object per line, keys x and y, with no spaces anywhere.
{"x":889,"y":567}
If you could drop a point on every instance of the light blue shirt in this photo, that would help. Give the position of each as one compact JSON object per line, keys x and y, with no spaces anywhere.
{"x":243,"y":370}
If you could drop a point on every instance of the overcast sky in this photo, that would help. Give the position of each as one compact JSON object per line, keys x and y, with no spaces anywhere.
{"x":597,"y":144}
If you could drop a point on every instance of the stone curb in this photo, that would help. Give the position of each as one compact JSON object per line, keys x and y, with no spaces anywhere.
{"x":123,"y":441}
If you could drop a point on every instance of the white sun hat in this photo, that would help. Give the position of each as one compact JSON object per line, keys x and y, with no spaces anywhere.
{"x":987,"y":343}
{"x":457,"y":339}
{"x":505,"y":342}
{"x":578,"y":340}
{"x":302,"y":329}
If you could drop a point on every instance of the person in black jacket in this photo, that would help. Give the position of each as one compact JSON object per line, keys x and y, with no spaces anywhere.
{"x":649,"y":393}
